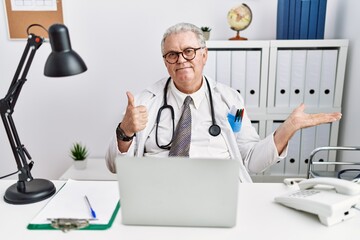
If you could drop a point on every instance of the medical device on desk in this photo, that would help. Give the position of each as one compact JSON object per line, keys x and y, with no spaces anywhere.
{"x":332,"y":199}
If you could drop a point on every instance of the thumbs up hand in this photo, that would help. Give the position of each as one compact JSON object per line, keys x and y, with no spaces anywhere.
{"x":135,"y":118}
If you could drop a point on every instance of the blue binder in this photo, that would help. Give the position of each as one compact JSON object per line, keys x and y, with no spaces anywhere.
{"x":282,"y":24}
{"x":297,"y":19}
{"x":304,"y":19}
{"x":292,"y":10}
{"x":321,"y":19}
{"x":313,"y":19}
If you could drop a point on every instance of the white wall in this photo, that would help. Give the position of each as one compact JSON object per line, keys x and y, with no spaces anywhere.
{"x":120,"y":43}
{"x":347,"y":28}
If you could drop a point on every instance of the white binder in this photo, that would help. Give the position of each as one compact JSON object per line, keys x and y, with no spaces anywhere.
{"x":292,"y":162}
{"x":210,"y":66}
{"x":253,"y":69}
{"x":223,"y":67}
{"x":322,"y":140}
{"x":255,"y":124}
{"x":328,"y":76}
{"x":238,"y":70}
{"x":313,"y":75}
{"x":298,"y":68}
{"x":307,"y":145}
{"x":283,"y":78}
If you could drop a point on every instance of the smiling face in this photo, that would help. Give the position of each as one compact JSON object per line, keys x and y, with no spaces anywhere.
{"x":187,"y":75}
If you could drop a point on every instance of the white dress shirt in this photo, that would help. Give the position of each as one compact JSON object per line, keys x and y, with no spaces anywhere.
{"x":202,"y":143}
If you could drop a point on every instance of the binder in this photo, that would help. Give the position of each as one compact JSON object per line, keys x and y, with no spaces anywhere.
{"x":321,"y":19}
{"x":255,"y":124}
{"x":210,"y":66}
{"x":297,"y":19}
{"x":304,"y":19}
{"x":283,"y":77}
{"x":313,"y":19}
{"x":238,"y":70}
{"x":282,"y":23}
{"x":313,"y":75}
{"x":253,"y":69}
{"x":292,"y":14}
{"x":307,"y":145}
{"x":292,"y":161}
{"x":69,"y":203}
{"x":223,"y":67}
{"x":298,"y":68}
{"x":322,"y":140}
{"x":328,"y":78}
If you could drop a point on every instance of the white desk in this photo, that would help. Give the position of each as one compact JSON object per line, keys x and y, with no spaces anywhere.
{"x":258,"y":218}
{"x":95,"y":170}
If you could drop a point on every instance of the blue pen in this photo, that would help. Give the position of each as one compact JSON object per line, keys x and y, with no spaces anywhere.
{"x":93,"y":214}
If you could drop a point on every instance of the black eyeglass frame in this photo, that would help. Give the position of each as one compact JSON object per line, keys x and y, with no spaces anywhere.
{"x":182,"y":53}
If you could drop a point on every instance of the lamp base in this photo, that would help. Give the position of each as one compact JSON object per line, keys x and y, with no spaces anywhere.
{"x":33,"y":191}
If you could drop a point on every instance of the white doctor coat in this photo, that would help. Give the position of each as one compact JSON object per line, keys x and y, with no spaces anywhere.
{"x":254,"y":154}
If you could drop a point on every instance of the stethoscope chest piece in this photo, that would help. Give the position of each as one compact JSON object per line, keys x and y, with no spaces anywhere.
{"x":214,"y":130}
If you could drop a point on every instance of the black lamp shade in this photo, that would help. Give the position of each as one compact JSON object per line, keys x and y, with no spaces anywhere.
{"x":63,"y":61}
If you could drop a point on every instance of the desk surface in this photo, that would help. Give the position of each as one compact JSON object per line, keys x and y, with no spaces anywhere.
{"x":258,"y":218}
{"x":95,"y":170}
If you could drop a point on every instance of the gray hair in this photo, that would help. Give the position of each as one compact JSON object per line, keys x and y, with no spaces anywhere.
{"x":183,"y":27}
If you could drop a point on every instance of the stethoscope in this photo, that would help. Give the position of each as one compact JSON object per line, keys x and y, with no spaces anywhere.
{"x":214,"y":129}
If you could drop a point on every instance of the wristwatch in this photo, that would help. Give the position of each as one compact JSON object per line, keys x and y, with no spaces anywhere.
{"x":120,"y":134}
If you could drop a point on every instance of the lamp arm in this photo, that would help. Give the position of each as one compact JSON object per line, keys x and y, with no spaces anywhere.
{"x":7,"y":105}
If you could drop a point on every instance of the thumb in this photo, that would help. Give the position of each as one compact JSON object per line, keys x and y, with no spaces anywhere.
{"x":130,"y":98}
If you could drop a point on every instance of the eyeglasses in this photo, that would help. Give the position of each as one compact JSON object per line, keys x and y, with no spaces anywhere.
{"x":188,"y":54}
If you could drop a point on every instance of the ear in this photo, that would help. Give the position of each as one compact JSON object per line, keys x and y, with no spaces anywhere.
{"x":204,"y":55}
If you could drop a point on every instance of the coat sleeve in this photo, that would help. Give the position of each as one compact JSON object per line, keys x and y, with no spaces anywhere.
{"x":257,"y":154}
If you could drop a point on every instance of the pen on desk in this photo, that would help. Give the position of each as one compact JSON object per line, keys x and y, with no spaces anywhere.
{"x":93,"y":214}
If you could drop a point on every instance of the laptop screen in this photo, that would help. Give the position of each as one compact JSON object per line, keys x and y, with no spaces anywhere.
{"x":178,"y":191}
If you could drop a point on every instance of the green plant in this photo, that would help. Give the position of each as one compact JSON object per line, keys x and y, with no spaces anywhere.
{"x":78,"y":152}
{"x":206,"y":29}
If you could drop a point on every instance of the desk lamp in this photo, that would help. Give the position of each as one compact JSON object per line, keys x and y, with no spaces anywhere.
{"x":63,"y":61}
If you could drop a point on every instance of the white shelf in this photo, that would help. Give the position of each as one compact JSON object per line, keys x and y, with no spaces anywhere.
{"x":287,"y":70}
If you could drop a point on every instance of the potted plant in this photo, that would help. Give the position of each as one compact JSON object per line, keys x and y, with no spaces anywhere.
{"x":79,"y":153}
{"x":206,"y":32}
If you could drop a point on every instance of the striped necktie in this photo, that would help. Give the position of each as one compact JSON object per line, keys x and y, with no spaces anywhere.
{"x":181,"y":143}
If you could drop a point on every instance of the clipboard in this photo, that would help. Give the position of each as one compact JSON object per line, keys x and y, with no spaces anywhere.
{"x":68,"y":209}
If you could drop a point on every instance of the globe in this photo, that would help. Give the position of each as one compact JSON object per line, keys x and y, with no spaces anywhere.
{"x":239,"y":18}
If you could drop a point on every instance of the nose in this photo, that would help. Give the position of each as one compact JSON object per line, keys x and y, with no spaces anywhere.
{"x":181,"y":58}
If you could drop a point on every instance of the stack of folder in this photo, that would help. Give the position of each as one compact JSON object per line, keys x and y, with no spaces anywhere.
{"x":301,"y":19}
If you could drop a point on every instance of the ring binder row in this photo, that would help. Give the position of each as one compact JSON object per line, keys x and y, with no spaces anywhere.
{"x":306,"y":76}
{"x":300,"y":147}
{"x":239,"y":69}
{"x":276,"y":76}
{"x":301,"y":19}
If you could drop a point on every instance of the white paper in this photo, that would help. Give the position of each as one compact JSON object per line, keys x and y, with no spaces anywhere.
{"x":70,"y":202}
{"x":33,"y":5}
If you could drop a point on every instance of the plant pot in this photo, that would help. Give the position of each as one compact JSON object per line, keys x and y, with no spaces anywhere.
{"x":206,"y":35}
{"x":80,"y":164}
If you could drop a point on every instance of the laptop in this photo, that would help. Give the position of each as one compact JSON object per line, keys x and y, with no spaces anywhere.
{"x":176,"y":191}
